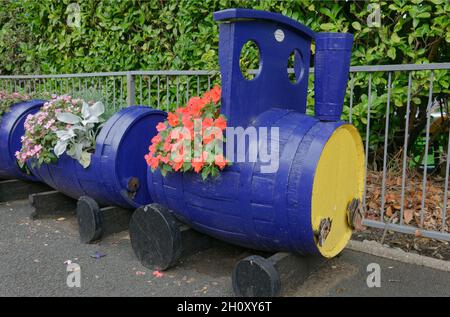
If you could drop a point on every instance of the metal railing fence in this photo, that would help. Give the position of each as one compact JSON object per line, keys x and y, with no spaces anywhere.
{"x":379,"y":100}
{"x":159,"y":89}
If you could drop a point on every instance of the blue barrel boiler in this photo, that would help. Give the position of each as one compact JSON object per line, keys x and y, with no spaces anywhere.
{"x":117,"y":174}
{"x":11,"y":132}
{"x":302,"y":206}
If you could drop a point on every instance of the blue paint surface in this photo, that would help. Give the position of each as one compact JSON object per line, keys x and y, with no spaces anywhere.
{"x":11,"y":131}
{"x":265,"y":211}
{"x":333,"y":52}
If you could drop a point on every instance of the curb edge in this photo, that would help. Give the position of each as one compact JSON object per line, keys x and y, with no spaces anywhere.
{"x":375,"y":248}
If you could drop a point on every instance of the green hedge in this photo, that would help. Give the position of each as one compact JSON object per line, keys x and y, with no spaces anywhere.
{"x":181,"y":34}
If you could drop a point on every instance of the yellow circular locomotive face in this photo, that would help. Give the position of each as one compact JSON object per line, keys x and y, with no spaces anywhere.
{"x":338,"y":179}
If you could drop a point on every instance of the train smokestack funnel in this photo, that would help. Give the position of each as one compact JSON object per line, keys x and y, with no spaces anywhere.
{"x":331,"y":70}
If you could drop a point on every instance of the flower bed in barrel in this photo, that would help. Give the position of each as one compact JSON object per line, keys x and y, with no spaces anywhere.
{"x":14,"y":109}
{"x":71,"y":146}
{"x":191,"y":139}
{"x":63,"y":125}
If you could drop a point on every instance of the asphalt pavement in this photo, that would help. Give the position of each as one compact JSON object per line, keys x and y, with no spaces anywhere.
{"x":34,"y":257}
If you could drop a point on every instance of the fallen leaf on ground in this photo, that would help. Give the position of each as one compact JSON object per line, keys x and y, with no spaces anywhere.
{"x":408,"y":215}
{"x":389,"y":211}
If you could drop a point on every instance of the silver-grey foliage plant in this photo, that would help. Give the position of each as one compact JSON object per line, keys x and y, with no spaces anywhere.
{"x":78,"y":139}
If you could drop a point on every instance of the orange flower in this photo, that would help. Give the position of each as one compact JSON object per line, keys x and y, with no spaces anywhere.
{"x":220,"y":123}
{"x":207,"y":138}
{"x":206,"y":98}
{"x":167,"y":145}
{"x":220,"y":161}
{"x":156,"y":139}
{"x":196,"y":110}
{"x":165,"y":159}
{"x":195,"y":102}
{"x":213,"y":95}
{"x":173,"y":119}
{"x":216,"y":94}
{"x":197,"y":165}
{"x":154,"y":162}
{"x":205,"y":156}
{"x":187,"y":122}
{"x":182,"y":110}
{"x":212,"y":133}
{"x":161,"y":127}
{"x":177,"y":165}
{"x":148,"y":159}
{"x":180,"y":153}
{"x":181,"y":134}
{"x":207,"y":123}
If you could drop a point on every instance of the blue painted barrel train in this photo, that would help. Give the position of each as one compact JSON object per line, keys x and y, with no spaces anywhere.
{"x":301,"y":208}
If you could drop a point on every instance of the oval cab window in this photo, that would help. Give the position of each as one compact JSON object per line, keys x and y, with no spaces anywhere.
{"x":249,"y":60}
{"x":295,"y":67}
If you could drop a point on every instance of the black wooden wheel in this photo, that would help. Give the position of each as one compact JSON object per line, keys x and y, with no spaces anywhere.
{"x":256,"y":276}
{"x":89,"y":220}
{"x":155,"y":237}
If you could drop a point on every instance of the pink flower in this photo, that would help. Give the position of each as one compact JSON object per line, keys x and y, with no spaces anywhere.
{"x":49,"y":124}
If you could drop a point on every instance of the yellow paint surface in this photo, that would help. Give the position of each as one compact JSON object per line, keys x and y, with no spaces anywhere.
{"x":339,"y":178}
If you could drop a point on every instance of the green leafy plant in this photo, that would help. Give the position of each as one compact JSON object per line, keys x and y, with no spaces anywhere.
{"x":77,"y":139}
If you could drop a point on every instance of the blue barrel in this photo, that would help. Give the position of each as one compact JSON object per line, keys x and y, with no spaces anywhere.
{"x":11,"y":132}
{"x":117,"y":174}
{"x":302,"y":206}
